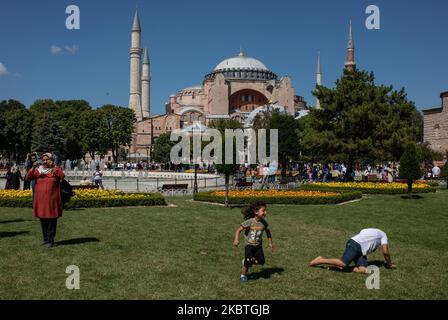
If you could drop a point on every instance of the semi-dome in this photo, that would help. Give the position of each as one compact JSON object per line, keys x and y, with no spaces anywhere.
{"x":242,"y":67}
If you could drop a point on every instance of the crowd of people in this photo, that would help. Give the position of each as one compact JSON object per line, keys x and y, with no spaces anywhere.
{"x":266,"y":174}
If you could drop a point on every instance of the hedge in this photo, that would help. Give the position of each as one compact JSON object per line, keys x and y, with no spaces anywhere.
{"x":148,"y":199}
{"x":302,"y":200}
{"x":329,"y":188}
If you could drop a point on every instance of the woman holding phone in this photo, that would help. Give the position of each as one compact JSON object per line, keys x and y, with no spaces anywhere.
{"x":47,"y":203}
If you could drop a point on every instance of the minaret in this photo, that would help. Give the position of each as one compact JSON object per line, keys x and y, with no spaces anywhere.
{"x":146,"y":79}
{"x":350,"y":64}
{"x":318,"y":78}
{"x":136,"y":58}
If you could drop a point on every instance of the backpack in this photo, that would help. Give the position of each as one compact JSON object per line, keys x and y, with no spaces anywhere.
{"x":66,"y":191}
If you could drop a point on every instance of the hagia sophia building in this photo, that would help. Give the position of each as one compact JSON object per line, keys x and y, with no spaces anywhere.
{"x":237,"y":88}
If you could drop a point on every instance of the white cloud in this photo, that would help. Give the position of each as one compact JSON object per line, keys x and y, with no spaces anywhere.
{"x":72,"y":49}
{"x":3,"y":70}
{"x":55,"y":49}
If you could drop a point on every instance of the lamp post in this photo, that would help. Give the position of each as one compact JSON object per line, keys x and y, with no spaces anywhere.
{"x":195,"y":185}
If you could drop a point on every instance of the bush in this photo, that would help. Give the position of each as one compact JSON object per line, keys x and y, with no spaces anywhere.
{"x":146,"y":199}
{"x":334,"y":198}
{"x":87,"y":199}
{"x":369,"y":187}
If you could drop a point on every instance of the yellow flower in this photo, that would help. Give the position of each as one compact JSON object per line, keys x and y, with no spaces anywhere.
{"x":274,"y":193}
{"x":372,"y":185}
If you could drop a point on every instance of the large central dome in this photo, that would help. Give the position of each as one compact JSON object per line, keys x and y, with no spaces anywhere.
{"x":242,"y":67}
{"x":241,"y":62}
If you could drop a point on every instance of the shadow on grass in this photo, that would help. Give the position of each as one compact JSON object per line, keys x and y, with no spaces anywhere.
{"x":12,"y":234}
{"x":265,"y":273}
{"x":413,"y":197}
{"x":76,"y":241}
{"x":336,"y":269}
{"x":377,"y":263}
{"x":13,"y":221}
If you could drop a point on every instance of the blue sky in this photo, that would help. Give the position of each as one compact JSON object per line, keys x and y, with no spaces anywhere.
{"x":187,"y":39}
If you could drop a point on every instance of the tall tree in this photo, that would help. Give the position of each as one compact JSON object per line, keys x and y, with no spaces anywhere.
{"x":69,"y":113}
{"x":116,"y":127}
{"x":162,"y":148}
{"x":226,"y":169}
{"x":288,"y":142}
{"x":47,"y":135}
{"x":410,"y":166}
{"x":15,"y":129}
{"x":360,"y":121}
{"x":90,"y":137}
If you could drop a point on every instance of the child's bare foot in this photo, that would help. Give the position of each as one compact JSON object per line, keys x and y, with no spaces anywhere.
{"x":316,"y":261}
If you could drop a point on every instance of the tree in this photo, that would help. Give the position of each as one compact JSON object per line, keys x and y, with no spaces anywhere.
{"x":444,"y":173}
{"x":15,"y":129}
{"x":70,"y":115}
{"x":360,"y":122}
{"x":410,"y":166}
{"x":162,"y":148}
{"x":116,"y":127}
{"x":287,"y":126}
{"x":426,"y":154}
{"x":226,"y":169}
{"x":288,"y":142}
{"x":47,"y":135}
{"x":90,"y":137}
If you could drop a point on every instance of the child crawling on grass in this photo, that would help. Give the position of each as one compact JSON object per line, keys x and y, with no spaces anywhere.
{"x":254,"y":224}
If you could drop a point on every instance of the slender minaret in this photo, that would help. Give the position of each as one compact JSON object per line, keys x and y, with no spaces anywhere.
{"x":136,"y":58}
{"x":318,"y":77}
{"x":350,"y":64}
{"x":146,"y":79}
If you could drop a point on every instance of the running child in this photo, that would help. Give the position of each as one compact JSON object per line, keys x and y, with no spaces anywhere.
{"x":254,"y":225}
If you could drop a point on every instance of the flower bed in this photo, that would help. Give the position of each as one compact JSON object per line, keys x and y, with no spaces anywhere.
{"x":370,"y":187}
{"x":198,"y":171}
{"x":86,"y":199}
{"x":279,"y":196}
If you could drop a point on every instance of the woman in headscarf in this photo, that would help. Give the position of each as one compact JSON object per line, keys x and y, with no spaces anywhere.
{"x":47,"y":204}
{"x":16,"y":177}
{"x":8,"y":185}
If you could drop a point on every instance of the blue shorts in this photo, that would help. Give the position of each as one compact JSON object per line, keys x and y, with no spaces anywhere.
{"x":353,"y":252}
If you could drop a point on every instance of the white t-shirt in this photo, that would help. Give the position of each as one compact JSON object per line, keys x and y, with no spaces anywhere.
{"x":370,"y":240}
{"x":97,"y":175}
{"x":435,"y":171}
{"x":266,"y":171}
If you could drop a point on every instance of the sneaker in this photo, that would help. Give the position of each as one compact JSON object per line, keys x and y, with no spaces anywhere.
{"x":49,"y":245}
{"x":243,"y":278}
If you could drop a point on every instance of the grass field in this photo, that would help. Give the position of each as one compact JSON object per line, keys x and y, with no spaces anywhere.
{"x":184,"y":251}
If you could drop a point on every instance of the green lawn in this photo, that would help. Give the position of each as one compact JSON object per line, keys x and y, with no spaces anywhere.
{"x":184,"y":251}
